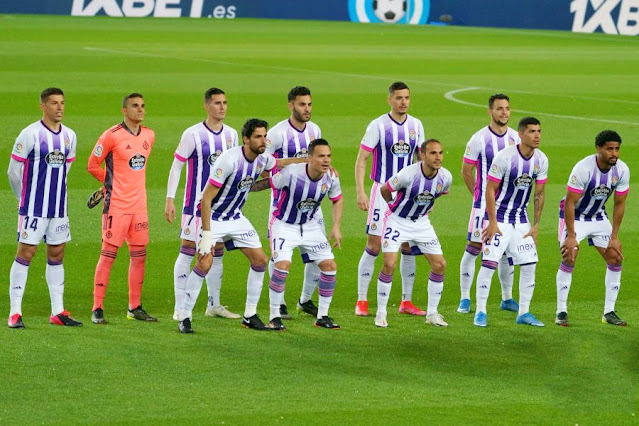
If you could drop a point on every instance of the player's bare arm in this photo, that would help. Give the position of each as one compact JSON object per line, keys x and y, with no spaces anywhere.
{"x":468,"y":174}
{"x":336,"y":233}
{"x":539,"y":198}
{"x":492,"y":229}
{"x":204,"y":249}
{"x":617,"y":216}
{"x":570,"y":246}
{"x":360,"y":171}
{"x":260,"y":185}
{"x":386,"y":193}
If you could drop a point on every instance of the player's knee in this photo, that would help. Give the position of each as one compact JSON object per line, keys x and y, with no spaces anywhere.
{"x":26,"y":251}
{"x":204,"y":264}
{"x":389,"y":266}
{"x":259,"y":260}
{"x":439,"y":265}
{"x":283,"y":265}
{"x":374,"y":243}
{"x":328,"y":265}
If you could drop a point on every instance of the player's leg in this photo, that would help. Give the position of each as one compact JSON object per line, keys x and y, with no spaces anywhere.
{"x":254,"y":283}
{"x":137,"y":239}
{"x":407,"y":268}
{"x":18,"y":281}
{"x":327,"y":281}
{"x":384,"y":284}
{"x":276,"y":286}
{"x":524,"y":253}
{"x":366,"y":266}
{"x":181,"y":270}
{"x":54,"y":274}
{"x":467,"y":263}
{"x":214,"y":307}
{"x":311,"y":270}
{"x":506,"y":273}
{"x":564,"y":277}
{"x":435,"y":288}
{"x":492,"y":253}
{"x":612,"y":282}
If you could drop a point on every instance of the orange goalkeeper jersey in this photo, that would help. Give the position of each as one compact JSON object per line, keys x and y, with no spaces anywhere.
{"x":124,"y":176}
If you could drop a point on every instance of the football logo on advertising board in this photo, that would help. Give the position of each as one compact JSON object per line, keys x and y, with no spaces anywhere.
{"x":414,"y":12}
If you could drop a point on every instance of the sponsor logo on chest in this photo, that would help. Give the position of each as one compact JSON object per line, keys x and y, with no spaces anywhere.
{"x":55,"y":159}
{"x":137,"y":162}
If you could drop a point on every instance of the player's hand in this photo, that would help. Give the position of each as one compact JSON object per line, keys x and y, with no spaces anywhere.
{"x":205,"y":244}
{"x":334,"y":171}
{"x":569,"y":250}
{"x":337,"y":236}
{"x":614,"y":250}
{"x":169,"y":210}
{"x":533,"y":233}
{"x":362,"y":202}
{"x":489,"y":232}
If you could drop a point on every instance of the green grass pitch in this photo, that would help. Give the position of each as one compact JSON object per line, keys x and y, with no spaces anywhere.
{"x":126,"y":372}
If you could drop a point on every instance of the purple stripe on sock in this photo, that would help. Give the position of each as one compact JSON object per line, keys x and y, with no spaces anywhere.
{"x":199,"y":272}
{"x":54,"y":262}
{"x":22,"y":261}
{"x":614,"y":267}
{"x":371,"y":252}
{"x":278,"y":288}
{"x":278,"y":280}
{"x":471,"y":249}
{"x":385,"y":278}
{"x":489,"y":264}
{"x":258,"y":268}
{"x":326,"y":286}
{"x":218,"y":253}
{"x":566,"y":268}
{"x":438,"y":278}
{"x":189,"y":251}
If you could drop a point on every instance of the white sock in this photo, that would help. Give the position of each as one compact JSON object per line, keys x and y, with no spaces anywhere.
{"x":384,"y":284}
{"x":484,"y":278}
{"x":506,"y":273}
{"x":435,"y":289}
{"x":192,"y":291}
{"x":311,"y":280}
{"x":467,"y":270}
{"x":54,"y":274}
{"x":407,"y":267}
{"x":526,"y":286}
{"x":181,"y":271}
{"x":254,"y":284}
{"x":365,"y":271}
{"x":214,"y":279}
{"x":613,"y":283}
{"x":564,"y":279}
{"x":326,"y":289}
{"x":17,"y":283}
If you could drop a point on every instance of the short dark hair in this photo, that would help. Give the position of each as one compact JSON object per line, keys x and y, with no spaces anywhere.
{"x":212,"y":91}
{"x":44,"y":95}
{"x":607,"y":136}
{"x":317,"y":142}
{"x":527,"y":121}
{"x":398,"y":85}
{"x":496,"y":96}
{"x":130,"y":96}
{"x":298,"y":91}
{"x":251,"y":124}
{"x":426,"y":142}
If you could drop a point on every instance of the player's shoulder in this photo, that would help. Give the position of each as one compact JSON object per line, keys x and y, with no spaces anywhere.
{"x":479,"y":134}
{"x":381,"y":119}
{"x":446,"y":174}
{"x":228,"y":129}
{"x":508,"y":152}
{"x":622,"y":166}
{"x":147,"y":131}
{"x":34,"y":127}
{"x":413,"y":119}
{"x":314,"y":126}
{"x":539,"y":153}
{"x":280,"y":126}
{"x":196,"y":128}
{"x":67,"y":130}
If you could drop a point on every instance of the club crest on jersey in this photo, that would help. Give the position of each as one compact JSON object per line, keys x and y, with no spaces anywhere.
{"x":24,"y":234}
{"x":373,"y":227}
{"x":573,"y":179}
{"x":55,"y":159}
{"x":98,"y":151}
{"x":411,"y":135}
{"x":324,"y":188}
{"x":302,"y":154}
{"x":137,"y":162}
{"x":476,"y":233}
{"x":218,"y":172}
{"x":615,"y":179}
{"x":486,"y":251}
{"x":400,"y":149}
{"x":145,"y":145}
{"x":275,"y":255}
{"x":307,"y":206}
{"x":511,"y":142}
{"x":600,"y":192}
{"x":438,"y":188}
{"x":524,"y":181}
{"x":213,"y":157}
{"x":187,"y":231}
{"x":229,"y":142}
{"x":245,"y":184}
{"x":67,"y":143}
{"x":385,"y":243}
{"x":258,"y":169}
{"x":424,"y":198}
{"x":536,"y":169}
